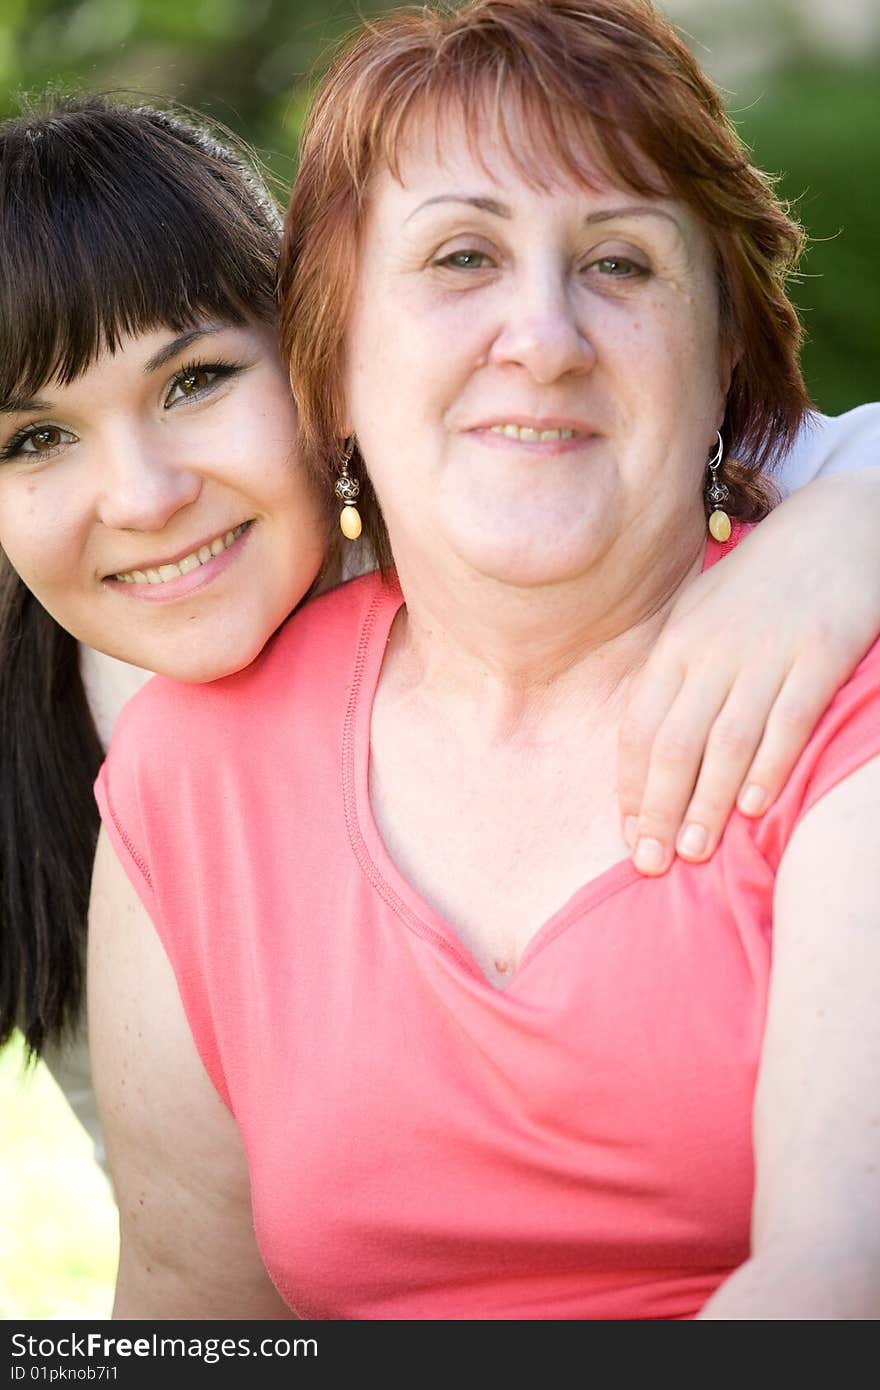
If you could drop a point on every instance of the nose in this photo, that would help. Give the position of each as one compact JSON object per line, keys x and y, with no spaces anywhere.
{"x":144,"y":484}
{"x":543,"y":330}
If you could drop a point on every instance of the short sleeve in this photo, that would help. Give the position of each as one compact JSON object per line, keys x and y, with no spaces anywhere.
{"x":118,"y":807}
{"x":847,"y":737}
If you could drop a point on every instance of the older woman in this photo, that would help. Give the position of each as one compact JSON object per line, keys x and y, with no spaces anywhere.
{"x":488,"y":1070}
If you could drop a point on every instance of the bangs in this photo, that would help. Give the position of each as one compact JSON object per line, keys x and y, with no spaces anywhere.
{"x":596,"y":97}
{"x":543,"y":140}
{"x":116,"y":222}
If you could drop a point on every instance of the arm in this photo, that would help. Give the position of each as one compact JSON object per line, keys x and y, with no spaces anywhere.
{"x":816,"y":1213}
{"x":187,"y":1242}
{"x":830,"y":444}
{"x":750,"y":656}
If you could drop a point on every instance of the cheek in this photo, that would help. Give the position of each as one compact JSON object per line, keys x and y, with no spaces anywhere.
{"x":402,"y":347}
{"x":42,"y":536}
{"x":678,"y":356}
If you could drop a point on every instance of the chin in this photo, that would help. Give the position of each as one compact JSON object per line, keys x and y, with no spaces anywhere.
{"x":541,"y":541}
{"x":195,"y":668}
{"x":526,"y":564}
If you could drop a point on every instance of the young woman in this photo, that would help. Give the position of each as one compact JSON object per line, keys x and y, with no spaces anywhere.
{"x":146,"y":423}
{"x":152,"y":505}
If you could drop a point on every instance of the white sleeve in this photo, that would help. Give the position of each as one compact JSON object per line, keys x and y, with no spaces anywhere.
{"x":829,"y":444}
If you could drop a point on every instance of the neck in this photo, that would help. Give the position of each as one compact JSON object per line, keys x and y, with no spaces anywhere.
{"x":518,"y":654}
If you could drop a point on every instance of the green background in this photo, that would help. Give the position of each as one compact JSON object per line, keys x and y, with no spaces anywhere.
{"x":805,"y":95}
{"x":809,"y":107}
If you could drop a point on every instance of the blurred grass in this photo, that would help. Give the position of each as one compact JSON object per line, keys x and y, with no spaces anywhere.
{"x":58,"y":1231}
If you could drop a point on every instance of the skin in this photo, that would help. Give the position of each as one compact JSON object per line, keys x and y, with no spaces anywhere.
{"x":484,"y":302}
{"x":746,"y":662}
{"x":529,"y":308}
{"x":145,"y":458}
{"x":748,"y":637}
{"x":509,"y":633}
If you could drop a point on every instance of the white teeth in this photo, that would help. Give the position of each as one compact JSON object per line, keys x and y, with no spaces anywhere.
{"x":164,"y":573}
{"x":529,"y":435}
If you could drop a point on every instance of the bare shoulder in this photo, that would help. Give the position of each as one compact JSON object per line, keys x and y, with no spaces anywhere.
{"x":188,"y":1247}
{"x":816,"y":1211}
{"x":817,"y":1112}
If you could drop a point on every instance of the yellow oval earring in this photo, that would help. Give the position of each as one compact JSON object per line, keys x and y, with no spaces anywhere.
{"x":716,"y":495}
{"x":348,"y":490}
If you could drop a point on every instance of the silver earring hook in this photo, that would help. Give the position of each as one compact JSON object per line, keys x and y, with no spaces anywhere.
{"x":716,"y":491}
{"x":719,"y":453}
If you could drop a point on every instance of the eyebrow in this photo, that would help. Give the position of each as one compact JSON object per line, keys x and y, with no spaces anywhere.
{"x":503,"y":210}
{"x":18,"y":405}
{"x":22,"y":406}
{"x":631,"y":210}
{"x":170,"y":350}
{"x":474,"y":201}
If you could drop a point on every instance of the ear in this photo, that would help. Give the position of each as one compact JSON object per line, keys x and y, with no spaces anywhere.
{"x":728,"y":359}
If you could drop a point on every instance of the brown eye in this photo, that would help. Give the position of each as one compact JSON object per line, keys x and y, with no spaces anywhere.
{"x":47,"y":438}
{"x":35,"y":440}
{"x":194,"y":381}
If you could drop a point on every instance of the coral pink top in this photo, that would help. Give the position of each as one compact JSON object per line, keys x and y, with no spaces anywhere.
{"x":421,"y":1144}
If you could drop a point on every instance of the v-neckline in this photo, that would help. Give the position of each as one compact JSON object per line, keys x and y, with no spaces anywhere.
{"x":369,"y":847}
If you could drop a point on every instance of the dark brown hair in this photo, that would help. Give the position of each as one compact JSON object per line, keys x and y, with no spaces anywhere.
{"x":596,"y":83}
{"x":114,"y":219}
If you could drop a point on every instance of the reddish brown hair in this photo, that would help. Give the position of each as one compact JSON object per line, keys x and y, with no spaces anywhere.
{"x":596,"y":83}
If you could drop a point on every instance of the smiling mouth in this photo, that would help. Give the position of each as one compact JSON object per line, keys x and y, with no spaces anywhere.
{"x":531,"y":436}
{"x":164,"y":574}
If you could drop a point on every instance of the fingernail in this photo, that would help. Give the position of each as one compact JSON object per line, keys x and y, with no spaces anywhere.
{"x":649,"y":855}
{"x":692,"y":841}
{"x":630,"y":830}
{"x":752,"y":800}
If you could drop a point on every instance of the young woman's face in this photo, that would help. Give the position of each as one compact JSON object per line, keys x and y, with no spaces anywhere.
{"x":156,"y":505}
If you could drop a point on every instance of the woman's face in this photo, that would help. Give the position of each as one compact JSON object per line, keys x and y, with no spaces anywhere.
{"x":156,"y":505}
{"x":532,"y":373}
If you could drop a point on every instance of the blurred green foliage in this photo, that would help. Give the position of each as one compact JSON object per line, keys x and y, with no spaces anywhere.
{"x":248,"y":64}
{"x":819,"y":128}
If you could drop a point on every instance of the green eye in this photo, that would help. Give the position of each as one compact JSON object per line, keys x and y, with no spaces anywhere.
{"x":618,"y":266}
{"x":464,"y":260}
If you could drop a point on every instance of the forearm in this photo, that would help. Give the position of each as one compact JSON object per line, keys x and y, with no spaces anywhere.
{"x":810,"y":1283}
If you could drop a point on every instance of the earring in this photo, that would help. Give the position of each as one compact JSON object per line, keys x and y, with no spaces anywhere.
{"x":348,"y":490}
{"x":716,"y":494}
